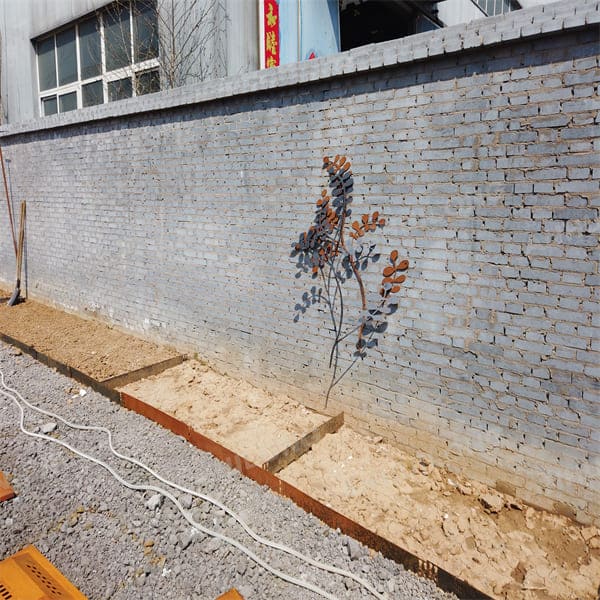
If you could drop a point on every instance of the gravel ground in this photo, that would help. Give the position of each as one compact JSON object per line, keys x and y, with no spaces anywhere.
{"x":110,"y":544}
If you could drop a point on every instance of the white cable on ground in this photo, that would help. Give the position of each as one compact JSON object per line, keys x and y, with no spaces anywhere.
{"x":165,"y":493}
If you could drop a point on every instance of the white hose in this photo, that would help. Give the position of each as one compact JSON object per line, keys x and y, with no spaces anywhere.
{"x":237,"y":518}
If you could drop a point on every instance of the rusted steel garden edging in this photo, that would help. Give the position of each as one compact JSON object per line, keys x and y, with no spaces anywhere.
{"x":72,"y":372}
{"x":105,"y":387}
{"x":303,"y":445}
{"x":443,"y":579}
{"x":6,"y":491}
{"x":144,"y":372}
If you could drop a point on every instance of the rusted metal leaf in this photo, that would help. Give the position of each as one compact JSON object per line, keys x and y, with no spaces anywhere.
{"x":394,"y":256}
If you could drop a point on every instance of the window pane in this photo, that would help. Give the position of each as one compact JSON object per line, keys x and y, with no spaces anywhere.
{"x":66,"y":58}
{"x":89,"y":48}
{"x":117,"y":37}
{"x":147,"y":82}
{"x":68,"y":102}
{"x":120,"y":89}
{"x":46,"y":64}
{"x":50,"y":106}
{"x":145,"y":27}
{"x":92,"y":93}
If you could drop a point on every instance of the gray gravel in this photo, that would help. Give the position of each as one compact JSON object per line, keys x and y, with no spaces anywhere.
{"x":112,"y":542}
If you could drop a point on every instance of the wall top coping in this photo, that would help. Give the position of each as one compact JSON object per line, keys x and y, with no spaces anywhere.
{"x":518,"y":25}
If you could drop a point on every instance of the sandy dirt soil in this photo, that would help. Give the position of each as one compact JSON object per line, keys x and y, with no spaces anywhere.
{"x":502,"y":547}
{"x":489,"y":539}
{"x":255,"y":424}
{"x":93,"y":347}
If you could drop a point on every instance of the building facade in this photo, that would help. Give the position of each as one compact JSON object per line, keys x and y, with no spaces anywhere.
{"x":62,"y":56}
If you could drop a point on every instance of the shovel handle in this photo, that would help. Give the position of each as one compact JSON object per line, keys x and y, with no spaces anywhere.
{"x":21,"y":240}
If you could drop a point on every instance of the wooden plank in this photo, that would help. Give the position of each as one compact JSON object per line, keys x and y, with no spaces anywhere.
{"x":303,"y":445}
{"x":443,"y":579}
{"x":126,"y":378}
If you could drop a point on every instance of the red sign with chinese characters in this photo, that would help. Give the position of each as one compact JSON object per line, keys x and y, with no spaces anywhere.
{"x":271,"y":33}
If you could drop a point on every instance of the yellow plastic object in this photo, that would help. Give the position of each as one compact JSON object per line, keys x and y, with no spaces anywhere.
{"x":230,"y":595}
{"x":28,"y":575}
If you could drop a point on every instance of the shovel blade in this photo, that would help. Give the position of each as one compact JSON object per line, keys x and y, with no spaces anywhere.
{"x":14,"y":299}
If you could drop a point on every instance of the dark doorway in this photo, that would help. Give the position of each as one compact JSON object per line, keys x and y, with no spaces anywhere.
{"x":369,"y":21}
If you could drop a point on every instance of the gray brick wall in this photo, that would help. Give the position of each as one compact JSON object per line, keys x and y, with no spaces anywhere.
{"x":173,"y":215}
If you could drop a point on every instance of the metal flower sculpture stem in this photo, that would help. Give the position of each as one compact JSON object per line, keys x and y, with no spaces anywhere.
{"x":325,"y":251}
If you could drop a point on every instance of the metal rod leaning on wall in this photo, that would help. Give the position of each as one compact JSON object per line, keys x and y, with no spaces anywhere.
{"x":8,"y":204}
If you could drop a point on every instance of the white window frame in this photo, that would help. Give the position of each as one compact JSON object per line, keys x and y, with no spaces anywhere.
{"x":105,"y":76}
{"x":498,"y":4}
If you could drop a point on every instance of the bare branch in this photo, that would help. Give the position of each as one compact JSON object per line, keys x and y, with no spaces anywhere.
{"x":188,"y":35}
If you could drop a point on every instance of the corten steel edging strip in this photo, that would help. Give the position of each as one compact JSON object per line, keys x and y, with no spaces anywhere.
{"x":62,"y":368}
{"x":147,"y":371}
{"x":303,"y":445}
{"x":424,"y":568}
{"x":6,"y":491}
{"x":17,"y":344}
{"x":106,"y":387}
{"x":96,"y":385}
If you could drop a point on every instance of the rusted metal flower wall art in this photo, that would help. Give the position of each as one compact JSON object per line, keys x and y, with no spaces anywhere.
{"x":334,"y":249}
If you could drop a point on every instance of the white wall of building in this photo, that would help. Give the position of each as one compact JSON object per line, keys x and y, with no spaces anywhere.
{"x":21,"y":21}
{"x":453,"y":12}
